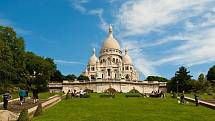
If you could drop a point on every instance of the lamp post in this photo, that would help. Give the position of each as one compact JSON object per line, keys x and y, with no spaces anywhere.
{"x":177,"y":86}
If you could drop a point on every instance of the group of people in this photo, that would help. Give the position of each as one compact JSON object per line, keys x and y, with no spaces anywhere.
{"x":182,"y":99}
{"x":158,"y":93}
{"x":23,"y":95}
{"x":75,"y":93}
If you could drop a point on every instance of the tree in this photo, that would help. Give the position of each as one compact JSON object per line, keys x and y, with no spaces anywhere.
{"x":57,"y":76}
{"x":180,"y":82}
{"x":211,"y":74}
{"x":156,"y":78}
{"x":71,"y":77}
{"x":83,"y":78}
{"x":23,"y":116}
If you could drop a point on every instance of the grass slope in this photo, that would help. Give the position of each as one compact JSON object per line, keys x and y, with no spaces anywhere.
{"x":125,"y":109}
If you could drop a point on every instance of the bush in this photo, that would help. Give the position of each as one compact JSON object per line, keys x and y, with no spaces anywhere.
{"x":23,"y":115}
{"x":88,"y":91}
{"x":67,"y":95}
{"x":134,"y":91}
{"x":111,"y":90}
{"x":39,"y":110}
{"x":85,"y":96}
{"x":133,"y":95}
{"x":107,"y":95}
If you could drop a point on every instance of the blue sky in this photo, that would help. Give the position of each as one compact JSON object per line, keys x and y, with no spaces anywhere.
{"x":161,"y":35}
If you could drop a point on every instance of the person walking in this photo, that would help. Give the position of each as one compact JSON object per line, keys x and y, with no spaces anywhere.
{"x":196,"y":100}
{"x":35,"y":95}
{"x":21,"y":95}
{"x":6,"y":98}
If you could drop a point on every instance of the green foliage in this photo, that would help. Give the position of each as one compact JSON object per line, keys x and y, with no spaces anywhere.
{"x":107,"y":95}
{"x":134,"y":91}
{"x":211,"y":74}
{"x":181,"y":80}
{"x":68,"y":95}
{"x":23,"y":115}
{"x":88,"y":91}
{"x":72,"y":77}
{"x":83,"y":78}
{"x":133,"y":95}
{"x":156,"y":78}
{"x":39,"y":110}
{"x":111,"y":90}
{"x":18,"y":66}
{"x":57,"y":76}
{"x":86,"y":95}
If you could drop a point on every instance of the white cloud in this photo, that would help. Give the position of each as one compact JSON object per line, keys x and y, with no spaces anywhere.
{"x":67,"y":62}
{"x":195,"y":18}
{"x":99,"y":12}
{"x":79,"y":5}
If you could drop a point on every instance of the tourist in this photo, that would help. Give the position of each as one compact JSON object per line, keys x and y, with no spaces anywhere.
{"x":182,"y":98}
{"x":35,"y":95}
{"x":21,"y":95}
{"x":6,"y":98}
{"x":196,"y":100}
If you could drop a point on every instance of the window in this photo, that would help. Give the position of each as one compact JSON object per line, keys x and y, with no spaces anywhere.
{"x":130,"y":68}
{"x":102,"y":76}
{"x":113,"y":59}
{"x":126,"y":68}
{"x":108,"y":72}
{"x":117,"y":60}
{"x":92,"y":68}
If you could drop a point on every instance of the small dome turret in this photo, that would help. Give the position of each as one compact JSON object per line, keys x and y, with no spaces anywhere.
{"x":126,"y":58}
{"x":93,"y":58}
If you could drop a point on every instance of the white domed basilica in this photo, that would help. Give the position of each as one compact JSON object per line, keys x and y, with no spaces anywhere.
{"x":111,"y":69}
{"x":112,"y":64}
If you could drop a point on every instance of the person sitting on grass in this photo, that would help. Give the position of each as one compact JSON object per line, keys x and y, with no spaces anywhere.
{"x":6,"y":98}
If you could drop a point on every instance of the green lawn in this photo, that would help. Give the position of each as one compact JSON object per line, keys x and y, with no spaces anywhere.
{"x":202,"y":96}
{"x":125,"y":109}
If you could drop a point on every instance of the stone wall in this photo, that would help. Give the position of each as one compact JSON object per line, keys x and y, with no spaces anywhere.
{"x":143,"y":87}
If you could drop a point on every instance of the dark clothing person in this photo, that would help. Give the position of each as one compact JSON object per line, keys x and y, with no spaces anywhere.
{"x":182,"y":98}
{"x":196,"y":100}
{"x":35,"y":95}
{"x":6,"y":98}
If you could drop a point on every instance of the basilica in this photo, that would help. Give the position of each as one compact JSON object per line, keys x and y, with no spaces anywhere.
{"x":112,"y":64}
{"x":111,"y":69}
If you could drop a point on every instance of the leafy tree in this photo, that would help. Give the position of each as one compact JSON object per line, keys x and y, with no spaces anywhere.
{"x":156,"y":78}
{"x":211,"y":74}
{"x":181,"y":80}
{"x":23,"y":115}
{"x":57,"y":76}
{"x":83,"y":78}
{"x":71,"y":77}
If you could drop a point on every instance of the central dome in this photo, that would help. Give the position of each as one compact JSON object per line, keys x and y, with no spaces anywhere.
{"x":110,"y":42}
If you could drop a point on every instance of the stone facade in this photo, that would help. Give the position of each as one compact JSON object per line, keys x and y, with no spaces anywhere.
{"x":101,"y":86}
{"x":112,"y":64}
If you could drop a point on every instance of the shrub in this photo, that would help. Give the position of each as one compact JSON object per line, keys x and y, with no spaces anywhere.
{"x":39,"y":110}
{"x":67,"y":95}
{"x":85,"y":96}
{"x":133,"y":95}
{"x":88,"y":91}
{"x":107,"y":95}
{"x":111,"y":90}
{"x":134,"y":91}
{"x":23,"y":115}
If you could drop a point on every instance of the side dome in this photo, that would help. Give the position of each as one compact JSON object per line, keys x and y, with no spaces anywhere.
{"x":126,"y":58}
{"x":93,"y":58}
{"x":110,"y":42}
